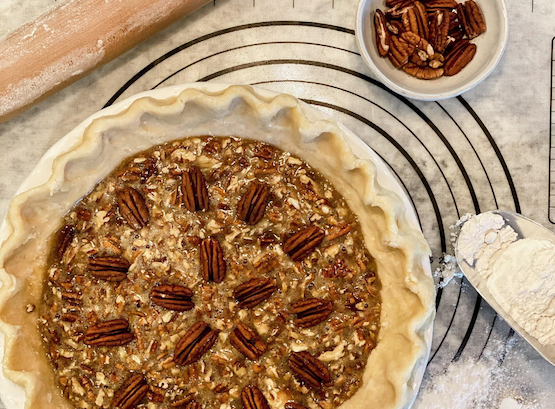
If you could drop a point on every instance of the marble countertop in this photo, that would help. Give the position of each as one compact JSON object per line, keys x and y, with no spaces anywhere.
{"x":488,"y":149}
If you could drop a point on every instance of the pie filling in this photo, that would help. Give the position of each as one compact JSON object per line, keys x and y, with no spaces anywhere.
{"x":210,"y":272}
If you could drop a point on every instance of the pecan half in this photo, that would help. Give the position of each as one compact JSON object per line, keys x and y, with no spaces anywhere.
{"x":382,"y":34}
{"x":253,"y":398}
{"x":471,"y":18}
{"x":439,"y":29}
{"x":293,"y":405}
{"x":410,"y":21}
{"x":422,"y":20}
{"x":195,"y":192}
{"x":400,"y":51}
{"x":252,"y":205}
{"x":302,"y":243}
{"x":64,"y":239}
{"x":441,"y":4}
{"x":109,"y":268}
{"x":172,"y":296}
{"x":247,"y":341}
{"x":459,"y":57}
{"x":133,"y":208}
{"x":309,"y":369}
{"x":403,"y":3}
{"x":130,"y":393}
{"x":254,"y":291}
{"x":212,"y":261}
{"x":109,"y":334}
{"x":311,"y":312}
{"x":423,"y":73}
{"x":195,"y":343}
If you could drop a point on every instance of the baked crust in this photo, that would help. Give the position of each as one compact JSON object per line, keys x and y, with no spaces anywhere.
{"x":407,"y":292}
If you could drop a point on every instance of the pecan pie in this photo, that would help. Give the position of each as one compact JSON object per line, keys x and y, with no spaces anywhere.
{"x":172,"y":285}
{"x":170,"y":270}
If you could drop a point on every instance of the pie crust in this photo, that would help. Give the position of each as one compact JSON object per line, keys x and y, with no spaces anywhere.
{"x":407,"y":287}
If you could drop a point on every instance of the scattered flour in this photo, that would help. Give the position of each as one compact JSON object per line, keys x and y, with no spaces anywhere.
{"x":474,"y":384}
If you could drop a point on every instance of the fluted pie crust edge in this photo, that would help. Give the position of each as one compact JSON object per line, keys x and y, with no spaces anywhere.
{"x":408,"y":291}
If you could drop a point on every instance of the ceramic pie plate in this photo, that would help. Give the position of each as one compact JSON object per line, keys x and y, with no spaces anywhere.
{"x":401,"y":219}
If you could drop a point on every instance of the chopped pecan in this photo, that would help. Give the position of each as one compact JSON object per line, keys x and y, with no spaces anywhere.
{"x":64,"y":239}
{"x":212,"y":260}
{"x":172,"y":296}
{"x":382,"y":34}
{"x":337,"y":270}
{"x":84,"y":214}
{"x":423,"y":73}
{"x":253,"y":398}
{"x":183,"y":403}
{"x":195,"y":192}
{"x":293,"y":405}
{"x":252,"y":205}
{"x":130,"y":393}
{"x":266,"y":238}
{"x":247,"y":341}
{"x":109,"y":268}
{"x":264,"y":151}
{"x":72,"y":298}
{"x":439,"y":29}
{"x":311,"y":312}
{"x":459,"y":57}
{"x":309,"y":369}
{"x":254,"y":291}
{"x":109,"y":333}
{"x":266,"y":263}
{"x":133,"y":208}
{"x":195,"y":343}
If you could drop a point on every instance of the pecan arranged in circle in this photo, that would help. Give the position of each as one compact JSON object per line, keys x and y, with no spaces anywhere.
{"x":253,"y":398}
{"x":247,"y":341}
{"x":309,"y":369}
{"x":212,"y":261}
{"x":195,"y":343}
{"x":130,"y":393}
{"x":254,"y":291}
{"x":109,"y":334}
{"x":302,"y":243}
{"x":252,"y":205}
{"x":311,"y":312}
{"x":173,"y":297}
{"x":195,"y":192}
{"x":133,"y":208}
{"x":109,"y":268}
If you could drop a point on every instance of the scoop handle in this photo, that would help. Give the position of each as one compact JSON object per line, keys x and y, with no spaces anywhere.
{"x":65,"y":44}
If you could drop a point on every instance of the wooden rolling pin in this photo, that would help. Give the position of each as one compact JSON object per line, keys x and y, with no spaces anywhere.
{"x":65,"y":44}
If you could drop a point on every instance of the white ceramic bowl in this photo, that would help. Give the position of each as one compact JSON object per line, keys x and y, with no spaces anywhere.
{"x":490,"y":48}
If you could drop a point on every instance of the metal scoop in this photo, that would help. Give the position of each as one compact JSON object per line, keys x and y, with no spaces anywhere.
{"x":525,"y":228}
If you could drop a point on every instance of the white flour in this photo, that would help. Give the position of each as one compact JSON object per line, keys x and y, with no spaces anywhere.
{"x":470,"y":384}
{"x":522,"y":281}
{"x":520,"y":274}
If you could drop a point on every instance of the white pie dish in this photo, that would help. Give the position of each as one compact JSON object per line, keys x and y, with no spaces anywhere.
{"x":43,"y":172}
{"x":491,"y":46}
